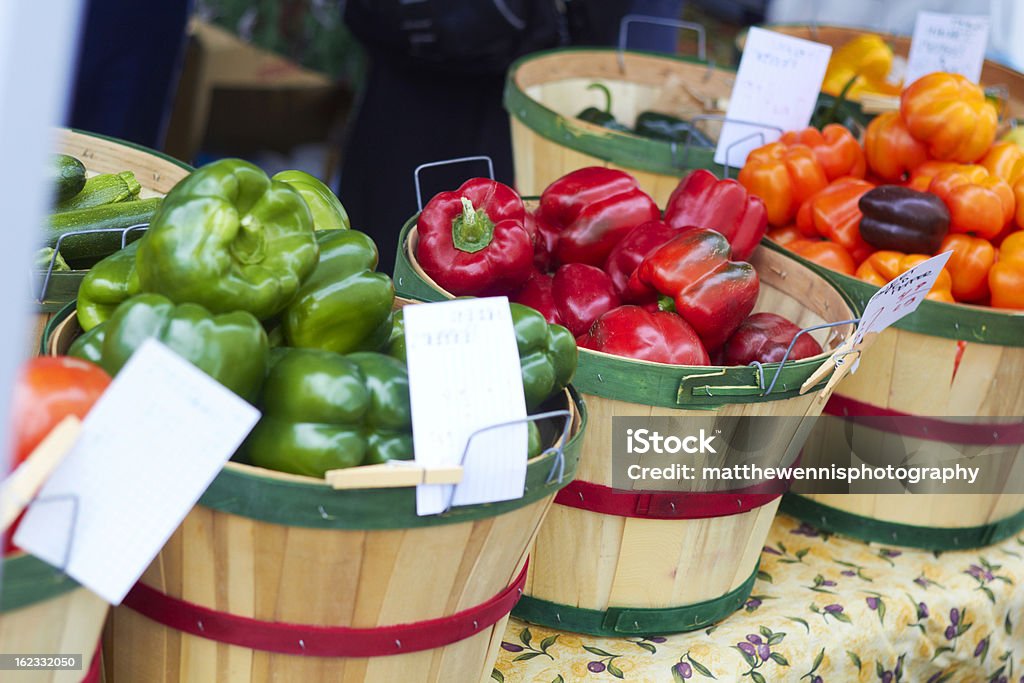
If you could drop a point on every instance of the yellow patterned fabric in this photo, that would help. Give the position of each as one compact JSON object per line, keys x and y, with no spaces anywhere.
{"x":825,"y":609}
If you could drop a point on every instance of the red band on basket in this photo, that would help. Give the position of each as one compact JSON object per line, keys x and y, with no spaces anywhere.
{"x":322,"y":641}
{"x":92,"y":675}
{"x":585,"y":495}
{"x":921,"y":427}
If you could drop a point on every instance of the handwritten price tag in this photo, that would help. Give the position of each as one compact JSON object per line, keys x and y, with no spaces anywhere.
{"x":900,"y":297}
{"x":464,"y":376}
{"x":947,"y":42}
{"x":777,"y":85}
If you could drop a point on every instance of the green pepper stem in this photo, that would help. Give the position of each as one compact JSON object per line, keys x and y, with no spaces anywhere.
{"x":840,"y":98}
{"x":607,"y":95}
{"x":472,"y":230}
{"x":667,"y":304}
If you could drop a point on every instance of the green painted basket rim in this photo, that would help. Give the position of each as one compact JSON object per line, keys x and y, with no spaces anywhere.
{"x":963,"y":322}
{"x":619,"y":622}
{"x":306,"y":502}
{"x":28,"y":580}
{"x":871,"y":530}
{"x":618,"y":147}
{"x":642,"y":382}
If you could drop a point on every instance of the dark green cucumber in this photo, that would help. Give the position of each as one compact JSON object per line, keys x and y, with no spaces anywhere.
{"x":68,"y":176}
{"x":108,"y":188}
{"x":87,"y":249}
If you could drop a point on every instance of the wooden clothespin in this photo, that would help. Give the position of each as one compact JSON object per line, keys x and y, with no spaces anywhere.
{"x":839,"y":364}
{"x":18,"y":490}
{"x":392,"y":474}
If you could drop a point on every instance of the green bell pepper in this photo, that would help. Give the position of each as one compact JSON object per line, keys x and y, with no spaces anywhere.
{"x":106,"y":286}
{"x":344,"y":305}
{"x":602,"y":117}
{"x":658,"y":126}
{"x":89,"y":346}
{"x":547,"y":353}
{"x":231,"y":348}
{"x":327,"y":210}
{"x":324,"y":411}
{"x":229,"y":239}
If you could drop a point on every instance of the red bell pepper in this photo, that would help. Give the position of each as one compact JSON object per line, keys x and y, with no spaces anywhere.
{"x":701,"y":200}
{"x":655,"y":336}
{"x":574,"y":297}
{"x":472,"y":240}
{"x":711,"y":292}
{"x":582,"y":293}
{"x":592,"y":209}
{"x":627,"y":255}
{"x":545,"y":236}
{"x":536,"y":294}
{"x":764,"y":337}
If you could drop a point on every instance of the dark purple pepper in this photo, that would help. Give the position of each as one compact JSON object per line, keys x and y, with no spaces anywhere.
{"x":872,"y":603}
{"x":902,"y":219}
{"x":511,"y":647}
{"x":596,"y":667}
{"x":748,"y":648}
{"x":954,"y":616}
{"x":683,"y":669}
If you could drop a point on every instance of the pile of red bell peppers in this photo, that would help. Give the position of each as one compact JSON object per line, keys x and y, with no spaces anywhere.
{"x":600,"y":258}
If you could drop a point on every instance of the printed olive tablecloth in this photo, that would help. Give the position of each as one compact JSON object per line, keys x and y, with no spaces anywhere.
{"x":825,"y":609}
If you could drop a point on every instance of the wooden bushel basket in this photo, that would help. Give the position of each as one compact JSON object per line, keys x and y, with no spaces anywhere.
{"x":278,"y":577}
{"x":943,"y":361}
{"x":546,"y":90}
{"x":43,"y":611}
{"x":156,"y":172}
{"x":671,"y":562}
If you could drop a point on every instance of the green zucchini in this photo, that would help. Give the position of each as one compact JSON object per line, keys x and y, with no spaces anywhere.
{"x":68,"y":176}
{"x":108,"y":188}
{"x":87,"y":249}
{"x":44,"y":257}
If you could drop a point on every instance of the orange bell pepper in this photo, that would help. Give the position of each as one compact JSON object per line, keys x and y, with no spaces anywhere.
{"x":1006,"y":278}
{"x":978,"y":203}
{"x":890,"y":150}
{"x":968,"y":265}
{"x":783,"y":236}
{"x":826,"y":254}
{"x":951,"y":115}
{"x":922,"y":176}
{"x":784,"y":176}
{"x":1018,"y":195}
{"x":884,"y":266}
{"x":1004,"y":159}
{"x":834,"y":147}
{"x":833,"y":213}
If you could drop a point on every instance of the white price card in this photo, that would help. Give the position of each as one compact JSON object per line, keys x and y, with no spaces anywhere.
{"x":900,"y":297}
{"x":777,"y":86}
{"x":464,"y":376}
{"x":148,"y":450}
{"x":947,"y":42}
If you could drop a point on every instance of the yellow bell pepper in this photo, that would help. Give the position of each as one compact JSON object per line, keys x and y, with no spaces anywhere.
{"x":868,"y":58}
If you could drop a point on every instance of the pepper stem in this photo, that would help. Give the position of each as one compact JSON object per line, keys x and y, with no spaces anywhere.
{"x":472,"y":230}
{"x":250,"y":244}
{"x":607,"y":95}
{"x":667,"y":304}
